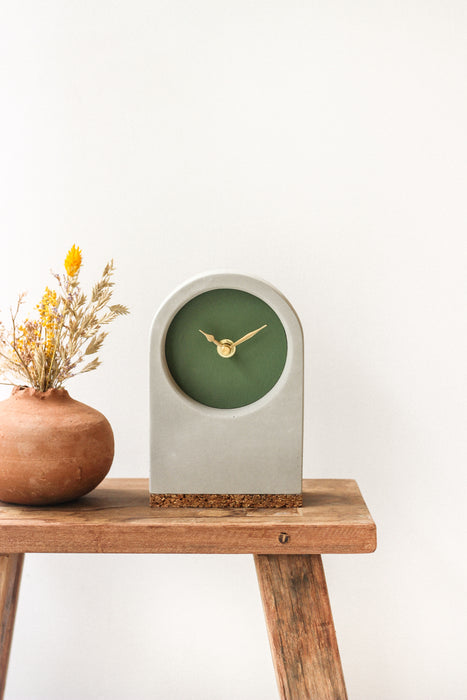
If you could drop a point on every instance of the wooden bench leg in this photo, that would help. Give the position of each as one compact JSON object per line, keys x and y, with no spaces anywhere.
{"x":11,"y":566}
{"x":300,"y":627}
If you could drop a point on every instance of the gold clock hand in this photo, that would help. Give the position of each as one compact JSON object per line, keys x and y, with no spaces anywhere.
{"x":249,"y":335}
{"x":210,"y":337}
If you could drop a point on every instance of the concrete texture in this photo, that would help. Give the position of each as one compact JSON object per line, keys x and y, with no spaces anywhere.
{"x":253,"y":449}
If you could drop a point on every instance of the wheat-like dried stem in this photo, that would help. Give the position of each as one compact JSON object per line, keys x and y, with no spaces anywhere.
{"x":52,"y":350}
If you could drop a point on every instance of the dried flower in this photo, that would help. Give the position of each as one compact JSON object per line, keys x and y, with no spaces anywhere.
{"x":73,"y":261}
{"x":46,"y":351}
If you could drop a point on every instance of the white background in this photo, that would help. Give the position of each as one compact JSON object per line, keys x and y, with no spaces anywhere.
{"x":319,"y":145}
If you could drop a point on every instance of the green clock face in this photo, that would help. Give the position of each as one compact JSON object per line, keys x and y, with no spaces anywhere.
{"x":226,"y":348}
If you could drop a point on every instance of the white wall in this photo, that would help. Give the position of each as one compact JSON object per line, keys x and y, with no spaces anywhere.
{"x":322,"y":146}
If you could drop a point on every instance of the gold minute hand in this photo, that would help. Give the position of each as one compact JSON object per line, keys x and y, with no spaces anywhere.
{"x":210,"y":337}
{"x":249,"y":335}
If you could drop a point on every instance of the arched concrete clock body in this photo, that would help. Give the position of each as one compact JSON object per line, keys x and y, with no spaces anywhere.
{"x":226,"y":423}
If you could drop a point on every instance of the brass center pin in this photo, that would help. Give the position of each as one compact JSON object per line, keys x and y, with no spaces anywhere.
{"x":226,"y":348}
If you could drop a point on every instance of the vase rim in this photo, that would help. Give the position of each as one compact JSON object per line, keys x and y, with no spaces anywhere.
{"x":31,"y":392}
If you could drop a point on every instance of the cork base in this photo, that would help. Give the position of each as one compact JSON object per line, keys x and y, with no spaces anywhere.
{"x":226,"y":500}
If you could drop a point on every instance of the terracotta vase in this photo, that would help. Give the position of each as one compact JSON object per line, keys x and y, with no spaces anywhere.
{"x":53,"y":449}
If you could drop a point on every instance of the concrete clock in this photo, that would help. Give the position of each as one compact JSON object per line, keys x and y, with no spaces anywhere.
{"x":226,"y":396}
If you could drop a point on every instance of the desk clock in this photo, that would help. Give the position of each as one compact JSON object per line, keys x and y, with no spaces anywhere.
{"x":226,"y":396}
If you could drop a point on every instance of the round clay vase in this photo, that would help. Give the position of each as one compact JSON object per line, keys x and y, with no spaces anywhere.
{"x":53,"y":449}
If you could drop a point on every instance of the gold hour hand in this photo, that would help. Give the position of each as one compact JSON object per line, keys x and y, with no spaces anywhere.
{"x":209,"y":337}
{"x":249,"y":335}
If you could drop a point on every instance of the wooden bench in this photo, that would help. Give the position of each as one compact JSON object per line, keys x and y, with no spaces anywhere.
{"x":286,"y":543}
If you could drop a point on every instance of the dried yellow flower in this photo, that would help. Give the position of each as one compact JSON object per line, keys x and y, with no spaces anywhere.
{"x":51,"y":349}
{"x":50,"y":320}
{"x":73,"y":261}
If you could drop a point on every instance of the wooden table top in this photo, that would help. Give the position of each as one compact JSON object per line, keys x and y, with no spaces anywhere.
{"x":116,"y":517}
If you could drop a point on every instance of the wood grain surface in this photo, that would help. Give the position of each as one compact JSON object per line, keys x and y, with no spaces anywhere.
{"x":117,"y":517}
{"x":300,"y":627}
{"x":11,"y":566}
